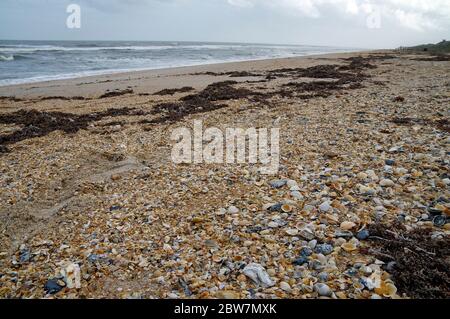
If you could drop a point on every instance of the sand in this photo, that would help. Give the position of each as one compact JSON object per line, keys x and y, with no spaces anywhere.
{"x":93,"y":206}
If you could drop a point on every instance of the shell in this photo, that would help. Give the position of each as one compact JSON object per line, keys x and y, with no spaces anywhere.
{"x":292,"y":232}
{"x":287,"y":208}
{"x":226,"y":294}
{"x":386,"y":289}
{"x":347,"y":225}
{"x":349,"y":247}
{"x":198,"y":220}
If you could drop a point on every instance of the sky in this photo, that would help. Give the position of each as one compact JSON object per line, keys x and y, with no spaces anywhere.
{"x":346,"y":23}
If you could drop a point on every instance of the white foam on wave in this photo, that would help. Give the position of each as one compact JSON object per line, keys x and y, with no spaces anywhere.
{"x":29,"y":49}
{"x":75,"y":75}
{"x":6,"y":57}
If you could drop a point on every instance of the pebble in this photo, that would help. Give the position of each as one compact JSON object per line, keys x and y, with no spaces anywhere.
{"x":306,"y":251}
{"x":292,"y":232}
{"x":278,"y":183}
{"x":306,"y":234}
{"x":297,"y":195}
{"x":233,"y":210}
{"x":225,"y":294}
{"x":362,"y":176}
{"x":439,"y":221}
{"x":324,"y":249}
{"x":72,"y":275}
{"x":258,"y":275}
{"x":312,"y":244}
{"x":285,"y":286}
{"x":24,"y":255}
{"x":325,"y":207}
{"x":323,"y":290}
{"x":365,"y":190}
{"x":363,"y":234}
{"x":300,"y":261}
{"x":347,"y":225}
{"x":209,"y":243}
{"x":52,"y":287}
{"x":275,"y":208}
{"x":323,"y":276}
{"x":389,"y":162}
{"x":386,"y":183}
{"x":273,"y":225}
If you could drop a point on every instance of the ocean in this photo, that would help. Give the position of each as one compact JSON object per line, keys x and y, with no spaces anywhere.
{"x":36,"y":61}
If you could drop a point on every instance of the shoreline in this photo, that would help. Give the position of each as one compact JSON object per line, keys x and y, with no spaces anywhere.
{"x":37,"y":89}
{"x":75,"y":76}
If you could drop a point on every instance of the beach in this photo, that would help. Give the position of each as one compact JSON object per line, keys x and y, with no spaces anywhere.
{"x":93,"y":206}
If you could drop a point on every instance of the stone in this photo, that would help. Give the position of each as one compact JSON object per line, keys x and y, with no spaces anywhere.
{"x":258,"y":275}
{"x":275,"y":208}
{"x":115,"y":177}
{"x":363,"y":234}
{"x":323,"y":276}
{"x":24,"y":255}
{"x":292,"y":184}
{"x":323,"y":290}
{"x":52,"y":287}
{"x":278,"y":183}
{"x":312,"y":244}
{"x":285,"y":287}
{"x":325,"y":207}
{"x":211,"y":243}
{"x":306,"y":252}
{"x":273,"y":225}
{"x":226,"y":294}
{"x":362,"y":176}
{"x":72,"y":275}
{"x":389,"y":162}
{"x":297,"y":195}
{"x":292,"y":232}
{"x":365,"y":190}
{"x":300,"y":261}
{"x":306,"y":234}
{"x":439,"y":221}
{"x":372,"y":175}
{"x":386,"y":183}
{"x":233,"y":210}
{"x":324,"y":249}
{"x":347,"y":225}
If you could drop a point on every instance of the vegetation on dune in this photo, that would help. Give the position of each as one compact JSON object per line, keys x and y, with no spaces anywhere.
{"x":441,"y":47}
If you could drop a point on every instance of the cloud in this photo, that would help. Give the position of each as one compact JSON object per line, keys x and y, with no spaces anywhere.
{"x":241,"y":3}
{"x":418,"y":15}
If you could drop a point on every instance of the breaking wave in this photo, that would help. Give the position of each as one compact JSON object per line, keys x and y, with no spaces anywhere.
{"x":4,"y":58}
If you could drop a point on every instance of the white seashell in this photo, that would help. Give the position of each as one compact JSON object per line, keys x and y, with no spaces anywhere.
{"x":72,"y":275}
{"x":292,"y":232}
{"x":258,"y":275}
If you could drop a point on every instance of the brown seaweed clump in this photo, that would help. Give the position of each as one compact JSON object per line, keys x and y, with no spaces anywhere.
{"x":418,"y":263}
{"x":36,"y":124}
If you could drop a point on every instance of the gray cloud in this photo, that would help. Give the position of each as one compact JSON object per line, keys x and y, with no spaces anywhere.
{"x":321,"y":22}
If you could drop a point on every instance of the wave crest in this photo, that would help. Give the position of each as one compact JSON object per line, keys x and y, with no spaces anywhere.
{"x":5,"y":58}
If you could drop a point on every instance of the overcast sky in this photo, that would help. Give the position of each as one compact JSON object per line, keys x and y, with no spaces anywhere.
{"x":354,"y":23}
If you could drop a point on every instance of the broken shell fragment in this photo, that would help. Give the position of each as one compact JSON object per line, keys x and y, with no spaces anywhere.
{"x":287,"y":208}
{"x":349,"y":247}
{"x":347,"y":225}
